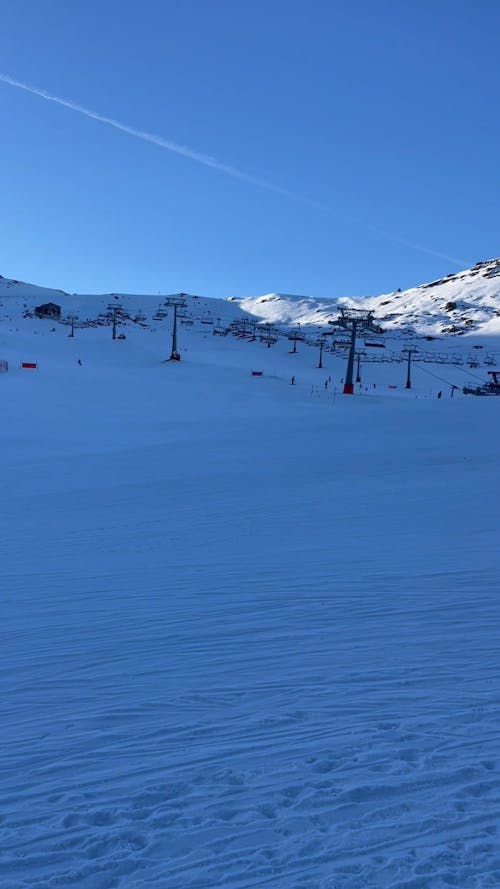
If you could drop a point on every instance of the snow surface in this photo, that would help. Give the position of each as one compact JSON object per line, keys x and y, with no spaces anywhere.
{"x":461,"y":303}
{"x":249,"y":630}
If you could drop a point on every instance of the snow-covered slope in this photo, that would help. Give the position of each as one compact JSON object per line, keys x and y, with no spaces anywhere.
{"x":456,"y":304}
{"x":249,"y":630}
{"x":9,"y":287}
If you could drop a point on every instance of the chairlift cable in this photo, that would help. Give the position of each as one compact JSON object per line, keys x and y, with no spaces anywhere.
{"x":474,"y":376}
{"x":426,"y":371}
{"x":462,"y":368}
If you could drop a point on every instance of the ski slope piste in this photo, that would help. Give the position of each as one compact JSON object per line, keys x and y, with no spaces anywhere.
{"x":249,"y":629}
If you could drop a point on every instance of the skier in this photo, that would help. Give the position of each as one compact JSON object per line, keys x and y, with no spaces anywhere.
{"x":79,"y":362}
{"x":439,"y":394}
{"x":292,"y":381}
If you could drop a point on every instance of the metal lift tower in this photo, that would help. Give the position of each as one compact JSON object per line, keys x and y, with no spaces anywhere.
{"x":295,"y":337}
{"x":114,"y":310}
{"x":321,"y":344}
{"x":269,"y":337}
{"x":177,"y":302}
{"x":72,"y":319}
{"x":359,"y":356}
{"x":408,"y":353}
{"x":355,"y":321}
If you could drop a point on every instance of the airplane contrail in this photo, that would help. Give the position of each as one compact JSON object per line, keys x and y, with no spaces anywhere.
{"x":183,"y":150}
{"x":215,"y":164}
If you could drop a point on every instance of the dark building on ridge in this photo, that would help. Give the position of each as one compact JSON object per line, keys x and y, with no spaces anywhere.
{"x":48,"y":310}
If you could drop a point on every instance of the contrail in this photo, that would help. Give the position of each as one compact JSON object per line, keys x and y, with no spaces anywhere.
{"x":218,"y":165}
{"x":183,"y":150}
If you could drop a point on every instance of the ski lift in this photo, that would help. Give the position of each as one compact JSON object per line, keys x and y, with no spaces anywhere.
{"x":472,"y":361}
{"x":270,"y":340}
{"x":374,"y":344}
{"x":492,"y":387}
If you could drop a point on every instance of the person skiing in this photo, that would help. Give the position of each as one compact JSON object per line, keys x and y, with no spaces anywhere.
{"x":80,"y":362}
{"x":292,"y":381}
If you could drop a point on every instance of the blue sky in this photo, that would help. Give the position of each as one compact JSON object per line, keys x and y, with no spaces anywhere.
{"x":380,"y":117}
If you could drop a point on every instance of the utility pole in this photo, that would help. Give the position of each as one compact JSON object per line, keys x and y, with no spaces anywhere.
{"x":408,"y":353}
{"x":356,"y":321}
{"x":72,"y":319}
{"x":176,"y":303}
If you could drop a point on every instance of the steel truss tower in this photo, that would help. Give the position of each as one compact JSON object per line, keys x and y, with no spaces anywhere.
{"x":355,"y":321}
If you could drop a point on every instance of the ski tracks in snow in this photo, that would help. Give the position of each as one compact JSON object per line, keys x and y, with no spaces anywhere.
{"x":273,"y":673}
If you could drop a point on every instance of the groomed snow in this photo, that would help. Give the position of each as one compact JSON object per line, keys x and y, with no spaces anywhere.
{"x":249,"y":630}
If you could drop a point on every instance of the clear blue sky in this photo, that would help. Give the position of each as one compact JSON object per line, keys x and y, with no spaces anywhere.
{"x":384,"y":111}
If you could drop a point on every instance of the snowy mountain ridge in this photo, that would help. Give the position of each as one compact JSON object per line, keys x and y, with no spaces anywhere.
{"x":457,"y":304}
